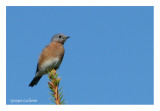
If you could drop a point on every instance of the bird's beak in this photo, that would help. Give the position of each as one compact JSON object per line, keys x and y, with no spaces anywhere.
{"x":67,"y":37}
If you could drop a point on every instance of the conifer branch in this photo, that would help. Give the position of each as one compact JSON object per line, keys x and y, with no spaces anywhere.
{"x":55,"y":91}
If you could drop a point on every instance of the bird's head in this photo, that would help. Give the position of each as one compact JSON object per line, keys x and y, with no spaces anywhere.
{"x":61,"y":38}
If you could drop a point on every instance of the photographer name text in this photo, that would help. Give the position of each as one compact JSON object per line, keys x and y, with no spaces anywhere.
{"x":23,"y":100}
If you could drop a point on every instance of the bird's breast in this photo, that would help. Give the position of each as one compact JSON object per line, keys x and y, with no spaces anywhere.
{"x":50,"y":64}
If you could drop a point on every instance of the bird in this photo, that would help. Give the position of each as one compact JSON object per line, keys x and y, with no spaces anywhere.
{"x":50,"y":57}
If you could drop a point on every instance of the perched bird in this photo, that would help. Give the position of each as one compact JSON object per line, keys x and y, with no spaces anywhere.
{"x":51,"y":57}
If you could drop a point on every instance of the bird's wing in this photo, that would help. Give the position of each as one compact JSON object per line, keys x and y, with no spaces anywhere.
{"x":42,"y":54}
{"x":37,"y":69}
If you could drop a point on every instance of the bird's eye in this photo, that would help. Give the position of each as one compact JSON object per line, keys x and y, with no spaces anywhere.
{"x":60,"y":36}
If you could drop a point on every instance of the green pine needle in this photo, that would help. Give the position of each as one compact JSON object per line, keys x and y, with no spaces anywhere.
{"x":62,"y":102}
{"x":60,"y":89}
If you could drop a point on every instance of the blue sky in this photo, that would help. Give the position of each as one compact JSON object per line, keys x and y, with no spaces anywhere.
{"x":108,"y":59}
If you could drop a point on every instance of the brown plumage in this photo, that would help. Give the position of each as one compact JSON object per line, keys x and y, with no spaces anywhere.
{"x":53,"y":50}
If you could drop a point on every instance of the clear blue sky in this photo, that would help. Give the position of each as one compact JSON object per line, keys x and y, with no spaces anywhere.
{"x":108,"y":59}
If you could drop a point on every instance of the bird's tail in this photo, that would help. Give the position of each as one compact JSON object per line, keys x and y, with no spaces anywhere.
{"x":35,"y":81}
